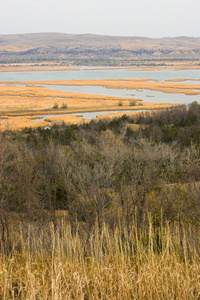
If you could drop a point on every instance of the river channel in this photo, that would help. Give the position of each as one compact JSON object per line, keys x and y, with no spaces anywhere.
{"x":88,"y":115}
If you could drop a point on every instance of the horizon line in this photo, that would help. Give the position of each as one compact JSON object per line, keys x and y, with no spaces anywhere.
{"x":96,"y":34}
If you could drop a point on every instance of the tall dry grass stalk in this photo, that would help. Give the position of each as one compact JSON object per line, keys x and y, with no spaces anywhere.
{"x":56,"y":264}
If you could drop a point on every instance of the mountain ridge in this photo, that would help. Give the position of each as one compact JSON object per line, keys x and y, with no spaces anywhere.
{"x":77,"y":48}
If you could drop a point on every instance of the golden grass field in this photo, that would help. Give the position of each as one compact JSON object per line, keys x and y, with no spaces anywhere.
{"x":166,"y":87}
{"x":119,"y":265}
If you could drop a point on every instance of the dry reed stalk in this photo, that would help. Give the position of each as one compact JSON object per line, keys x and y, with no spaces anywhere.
{"x":49,"y":264}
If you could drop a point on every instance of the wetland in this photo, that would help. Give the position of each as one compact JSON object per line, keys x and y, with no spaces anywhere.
{"x":91,"y":91}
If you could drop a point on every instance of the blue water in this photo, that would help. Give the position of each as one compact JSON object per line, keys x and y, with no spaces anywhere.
{"x":159,"y":75}
{"x":145,"y":95}
{"x":88,"y":115}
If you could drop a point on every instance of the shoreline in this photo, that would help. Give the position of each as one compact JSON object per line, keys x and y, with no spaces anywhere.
{"x":52,"y":66}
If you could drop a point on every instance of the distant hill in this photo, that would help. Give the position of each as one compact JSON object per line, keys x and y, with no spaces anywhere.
{"x":91,"y":49}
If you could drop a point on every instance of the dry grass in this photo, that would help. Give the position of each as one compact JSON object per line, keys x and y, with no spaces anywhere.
{"x":166,"y":87}
{"x":120,"y":114}
{"x":38,"y":98}
{"x":18,"y":123}
{"x":122,"y":265}
{"x":173,"y":67}
{"x":67,"y":119}
{"x":181,"y":80}
{"x":18,"y":103}
{"x":35,"y":68}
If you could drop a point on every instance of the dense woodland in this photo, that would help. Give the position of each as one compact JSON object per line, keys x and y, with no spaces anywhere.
{"x":140,"y":172}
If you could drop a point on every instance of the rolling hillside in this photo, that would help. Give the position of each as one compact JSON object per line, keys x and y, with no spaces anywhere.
{"x":90,"y":49}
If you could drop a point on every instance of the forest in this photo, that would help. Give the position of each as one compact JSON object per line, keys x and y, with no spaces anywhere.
{"x":108,"y":209}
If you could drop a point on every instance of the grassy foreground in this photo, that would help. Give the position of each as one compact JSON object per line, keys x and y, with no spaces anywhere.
{"x":56,"y":264}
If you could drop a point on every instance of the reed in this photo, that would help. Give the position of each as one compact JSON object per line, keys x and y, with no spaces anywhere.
{"x":119,"y":264}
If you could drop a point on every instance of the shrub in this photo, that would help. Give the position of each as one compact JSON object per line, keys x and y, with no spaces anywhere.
{"x":120,"y":103}
{"x":64,"y":106}
{"x":132,"y":103}
{"x":194,"y":104}
{"x":55,"y":106}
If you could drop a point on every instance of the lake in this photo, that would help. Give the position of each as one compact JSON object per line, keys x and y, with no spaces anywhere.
{"x":82,"y":73}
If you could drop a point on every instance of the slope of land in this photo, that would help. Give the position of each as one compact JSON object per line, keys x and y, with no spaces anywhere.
{"x":95,"y":49}
{"x":103,"y":210}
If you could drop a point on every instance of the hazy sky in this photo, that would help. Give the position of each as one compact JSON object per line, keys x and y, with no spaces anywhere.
{"x":150,"y":18}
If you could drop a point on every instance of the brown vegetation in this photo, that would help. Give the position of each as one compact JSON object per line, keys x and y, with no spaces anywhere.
{"x":52,"y":66}
{"x":66,"y":267}
{"x":166,"y":87}
{"x":105,"y":210}
{"x":21,"y":68}
{"x":18,"y":103}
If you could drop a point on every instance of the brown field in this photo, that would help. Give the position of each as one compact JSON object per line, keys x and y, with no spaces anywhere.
{"x":20,"y":104}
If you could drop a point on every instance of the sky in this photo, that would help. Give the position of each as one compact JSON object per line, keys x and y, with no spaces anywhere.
{"x":148,"y":18}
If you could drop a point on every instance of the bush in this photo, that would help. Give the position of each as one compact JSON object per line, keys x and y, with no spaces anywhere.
{"x":120,"y":103}
{"x":64,"y":106}
{"x":55,"y":106}
{"x":132,"y":103}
